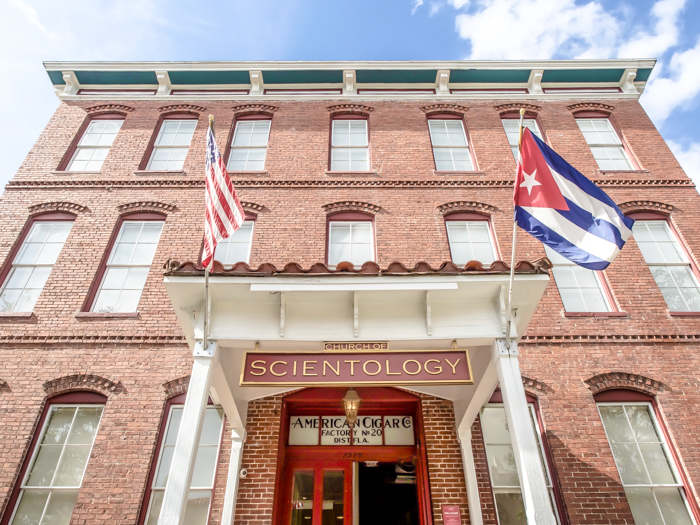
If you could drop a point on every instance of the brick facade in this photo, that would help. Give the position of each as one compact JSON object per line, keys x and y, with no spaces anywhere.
{"x":138,"y":362}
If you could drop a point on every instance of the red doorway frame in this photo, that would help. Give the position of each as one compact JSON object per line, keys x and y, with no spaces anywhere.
{"x":375,"y":401}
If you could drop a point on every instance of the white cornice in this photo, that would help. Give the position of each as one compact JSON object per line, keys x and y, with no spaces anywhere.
{"x":617,"y":63}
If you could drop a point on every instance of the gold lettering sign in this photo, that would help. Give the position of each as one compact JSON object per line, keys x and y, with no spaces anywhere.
{"x":363,"y":367}
{"x":350,"y":346}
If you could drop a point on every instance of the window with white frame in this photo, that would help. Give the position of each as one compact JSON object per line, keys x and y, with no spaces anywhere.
{"x":504,"y":474}
{"x":236,"y":248}
{"x":94,"y":145}
{"x":202,"y":485}
{"x":128,"y":266}
{"x":349,"y":145}
{"x":652,"y":484}
{"x":350,"y":241}
{"x":470,"y":241}
{"x":581,"y":290}
{"x":33,"y":264}
{"x":605,"y":144}
{"x":249,"y":145}
{"x":669,"y":265}
{"x":171,"y":145}
{"x":51,"y":484}
{"x":450,"y":146}
{"x":512,"y":129}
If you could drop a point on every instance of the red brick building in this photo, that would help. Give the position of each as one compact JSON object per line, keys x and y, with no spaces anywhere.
{"x":378,"y":201}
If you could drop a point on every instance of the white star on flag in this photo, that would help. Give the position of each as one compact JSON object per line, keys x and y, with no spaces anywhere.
{"x":530,"y":181}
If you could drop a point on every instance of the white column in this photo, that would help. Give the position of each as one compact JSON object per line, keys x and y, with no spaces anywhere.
{"x":465,"y":440}
{"x":180,"y":477}
{"x":234,"y":467}
{"x":538,"y":508}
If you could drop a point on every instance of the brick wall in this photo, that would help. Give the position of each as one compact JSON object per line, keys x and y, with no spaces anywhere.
{"x":142,"y":353}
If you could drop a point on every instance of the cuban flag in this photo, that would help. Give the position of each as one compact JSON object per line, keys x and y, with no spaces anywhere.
{"x":557,"y":205}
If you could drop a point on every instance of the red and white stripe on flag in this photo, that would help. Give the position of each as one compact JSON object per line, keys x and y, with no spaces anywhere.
{"x":223,"y":211}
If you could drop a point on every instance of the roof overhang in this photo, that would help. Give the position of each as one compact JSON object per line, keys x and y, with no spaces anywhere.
{"x":368,"y":80}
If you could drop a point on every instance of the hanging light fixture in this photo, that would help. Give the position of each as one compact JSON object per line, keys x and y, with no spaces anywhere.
{"x":351,"y":404}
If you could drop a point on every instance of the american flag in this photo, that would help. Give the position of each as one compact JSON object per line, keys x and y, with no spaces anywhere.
{"x":222,"y":209}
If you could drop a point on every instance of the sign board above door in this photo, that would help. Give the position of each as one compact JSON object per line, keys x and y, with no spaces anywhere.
{"x":368,"y":430}
{"x":403,"y":367}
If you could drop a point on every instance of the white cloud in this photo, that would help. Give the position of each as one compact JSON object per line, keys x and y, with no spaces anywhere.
{"x":666,"y":32}
{"x":663,"y":94}
{"x":458,"y":4}
{"x":435,"y":8}
{"x":32,"y":17}
{"x":688,"y":157}
{"x":416,"y":5}
{"x":537,"y":29}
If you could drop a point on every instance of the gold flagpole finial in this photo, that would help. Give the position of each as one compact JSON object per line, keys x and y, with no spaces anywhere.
{"x":211,"y":121}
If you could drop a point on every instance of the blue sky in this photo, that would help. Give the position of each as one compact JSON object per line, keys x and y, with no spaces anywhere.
{"x":34,"y":31}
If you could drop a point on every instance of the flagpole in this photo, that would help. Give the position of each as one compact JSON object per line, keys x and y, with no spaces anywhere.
{"x":515,"y":238}
{"x":206,"y":278}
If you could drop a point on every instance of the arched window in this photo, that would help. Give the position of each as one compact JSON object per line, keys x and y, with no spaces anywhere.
{"x":58,"y":457}
{"x":470,"y":237}
{"x":350,"y":238}
{"x":248,"y":147}
{"x":203,"y":474}
{"x":123,"y":273}
{"x":610,"y":152}
{"x":451,"y":146}
{"x":170,"y":142}
{"x":504,"y":476}
{"x":349,"y":150}
{"x":236,"y":247}
{"x":92,"y":143}
{"x":669,"y":261}
{"x":511,"y":125}
{"x":655,"y":486}
{"x":33,"y":257}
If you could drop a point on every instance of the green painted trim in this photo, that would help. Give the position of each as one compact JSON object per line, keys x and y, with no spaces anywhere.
{"x":208,"y":77}
{"x":642,"y":75}
{"x":396,"y":76}
{"x":56,"y":78}
{"x":582,"y":75}
{"x":116,"y":77}
{"x":309,"y":76}
{"x":490,"y":76}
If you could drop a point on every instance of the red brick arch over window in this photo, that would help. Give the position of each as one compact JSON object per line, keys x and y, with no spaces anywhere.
{"x":77,"y":398}
{"x":621,"y":395}
{"x":42,"y":216}
{"x":137,"y":216}
{"x":68,"y":155}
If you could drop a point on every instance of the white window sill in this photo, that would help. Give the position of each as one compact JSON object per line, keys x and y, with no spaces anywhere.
{"x":683,"y":314}
{"x":596,"y":314}
{"x":623,"y":171}
{"x":331,"y":172}
{"x":17,"y":316}
{"x":98,"y":316}
{"x":160,"y":172}
{"x":438,"y":172}
{"x":248,"y":172}
{"x":67,"y":172}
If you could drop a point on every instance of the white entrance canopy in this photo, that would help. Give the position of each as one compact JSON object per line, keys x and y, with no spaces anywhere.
{"x":297,"y":310}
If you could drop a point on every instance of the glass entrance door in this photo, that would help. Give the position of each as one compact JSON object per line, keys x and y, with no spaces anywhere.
{"x":317,"y":492}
